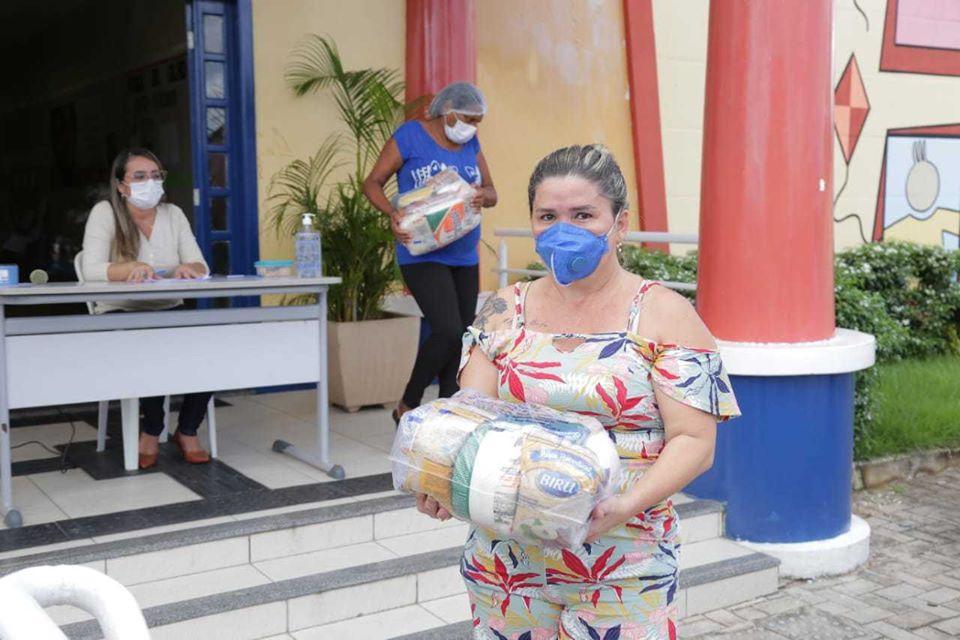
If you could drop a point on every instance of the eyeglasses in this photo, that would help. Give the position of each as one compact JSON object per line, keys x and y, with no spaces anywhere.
{"x":143,"y":176}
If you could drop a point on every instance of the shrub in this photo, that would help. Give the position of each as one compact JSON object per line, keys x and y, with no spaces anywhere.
{"x":917,"y":286}
{"x":654,"y":265}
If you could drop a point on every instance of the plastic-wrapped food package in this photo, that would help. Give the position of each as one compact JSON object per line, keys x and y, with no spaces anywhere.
{"x":524,"y":471}
{"x":438,"y":213}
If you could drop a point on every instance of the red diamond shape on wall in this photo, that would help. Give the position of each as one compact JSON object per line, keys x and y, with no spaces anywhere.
{"x":850,"y":108}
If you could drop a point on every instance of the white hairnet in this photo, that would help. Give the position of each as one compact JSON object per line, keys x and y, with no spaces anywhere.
{"x":460,"y":97}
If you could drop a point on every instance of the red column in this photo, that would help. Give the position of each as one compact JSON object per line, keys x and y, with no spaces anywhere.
{"x":645,"y":117}
{"x":441,"y":45}
{"x":766,"y":228}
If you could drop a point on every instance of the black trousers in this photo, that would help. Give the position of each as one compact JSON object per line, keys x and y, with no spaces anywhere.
{"x":447,"y":296}
{"x":192,"y":411}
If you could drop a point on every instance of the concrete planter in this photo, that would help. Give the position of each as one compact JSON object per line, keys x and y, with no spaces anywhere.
{"x":370,"y":361}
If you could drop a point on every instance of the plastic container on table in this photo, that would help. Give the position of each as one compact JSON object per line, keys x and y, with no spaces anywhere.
{"x":9,"y":275}
{"x":525,"y":472}
{"x":274,"y":268}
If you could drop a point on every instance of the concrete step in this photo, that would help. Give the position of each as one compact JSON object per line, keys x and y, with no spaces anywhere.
{"x":310,"y":571}
{"x":402,"y":595}
{"x":714,"y":574}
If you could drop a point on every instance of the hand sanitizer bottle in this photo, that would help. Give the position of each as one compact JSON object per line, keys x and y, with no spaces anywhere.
{"x":308,"y":248}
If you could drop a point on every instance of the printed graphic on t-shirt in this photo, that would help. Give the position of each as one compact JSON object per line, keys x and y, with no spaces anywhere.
{"x":420,"y":175}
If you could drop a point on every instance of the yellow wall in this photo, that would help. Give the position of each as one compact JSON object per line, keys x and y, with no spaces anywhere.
{"x":680,"y":32}
{"x":554,"y":74}
{"x":368,"y":33}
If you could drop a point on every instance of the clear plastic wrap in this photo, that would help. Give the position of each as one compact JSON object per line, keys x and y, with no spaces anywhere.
{"x":438,"y":213}
{"x":526,"y":472}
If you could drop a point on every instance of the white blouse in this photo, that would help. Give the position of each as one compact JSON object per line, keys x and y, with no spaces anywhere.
{"x":171,"y":243}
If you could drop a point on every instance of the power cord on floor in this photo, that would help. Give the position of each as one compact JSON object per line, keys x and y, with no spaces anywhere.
{"x":64,"y":467}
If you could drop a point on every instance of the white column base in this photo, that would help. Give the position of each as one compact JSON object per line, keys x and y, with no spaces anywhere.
{"x":820,"y":558}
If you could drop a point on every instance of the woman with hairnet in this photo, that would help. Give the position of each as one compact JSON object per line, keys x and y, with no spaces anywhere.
{"x":445,"y":282}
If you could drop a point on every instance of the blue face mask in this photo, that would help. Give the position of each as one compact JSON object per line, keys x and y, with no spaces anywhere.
{"x":571,"y":252}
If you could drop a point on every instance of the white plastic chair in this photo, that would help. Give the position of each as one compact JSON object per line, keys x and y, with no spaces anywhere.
{"x":130,"y":410}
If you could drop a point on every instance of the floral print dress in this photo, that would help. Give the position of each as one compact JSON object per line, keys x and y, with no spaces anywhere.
{"x":622,"y":586}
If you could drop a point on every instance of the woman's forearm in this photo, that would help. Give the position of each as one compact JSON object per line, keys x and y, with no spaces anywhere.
{"x":683,"y":459}
{"x":375,"y":194}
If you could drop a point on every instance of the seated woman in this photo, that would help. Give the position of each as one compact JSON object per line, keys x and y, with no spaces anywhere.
{"x":132,"y":237}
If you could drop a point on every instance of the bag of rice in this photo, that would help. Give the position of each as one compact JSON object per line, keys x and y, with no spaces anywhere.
{"x":523,"y":471}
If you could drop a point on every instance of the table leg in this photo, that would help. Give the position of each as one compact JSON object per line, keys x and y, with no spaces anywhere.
{"x":319,"y":458}
{"x":130,"y":425}
{"x":11,"y":515}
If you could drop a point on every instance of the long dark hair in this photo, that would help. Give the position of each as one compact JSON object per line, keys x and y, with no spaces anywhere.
{"x":127,"y":240}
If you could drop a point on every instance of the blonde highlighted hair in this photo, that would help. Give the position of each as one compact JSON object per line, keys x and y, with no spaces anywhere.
{"x":126,"y":245}
{"x":592,"y":162}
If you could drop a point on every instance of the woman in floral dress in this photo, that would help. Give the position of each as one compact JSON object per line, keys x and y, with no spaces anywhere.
{"x":595,"y":339}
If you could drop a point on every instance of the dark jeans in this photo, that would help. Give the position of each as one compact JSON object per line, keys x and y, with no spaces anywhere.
{"x":191,"y":413}
{"x":447,"y":296}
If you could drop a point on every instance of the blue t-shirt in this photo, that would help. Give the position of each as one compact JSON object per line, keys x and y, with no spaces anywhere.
{"x":423,"y":157}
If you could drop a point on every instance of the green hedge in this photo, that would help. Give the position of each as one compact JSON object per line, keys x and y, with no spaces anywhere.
{"x":907,"y":295}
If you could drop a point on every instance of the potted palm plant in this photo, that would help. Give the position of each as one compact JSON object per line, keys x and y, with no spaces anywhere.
{"x":371,"y":353}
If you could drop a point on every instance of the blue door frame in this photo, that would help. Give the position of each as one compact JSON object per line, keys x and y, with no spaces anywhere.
{"x":222,"y":124}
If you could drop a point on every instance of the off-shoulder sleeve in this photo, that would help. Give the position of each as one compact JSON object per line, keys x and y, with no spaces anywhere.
{"x":695,"y":377}
{"x":474,"y":337}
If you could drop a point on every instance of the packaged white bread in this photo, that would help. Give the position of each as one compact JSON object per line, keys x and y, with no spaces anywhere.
{"x":523,"y":471}
{"x":438,"y":213}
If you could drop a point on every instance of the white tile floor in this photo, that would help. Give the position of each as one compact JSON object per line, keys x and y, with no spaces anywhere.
{"x":23,"y":439}
{"x":78,"y":495}
{"x":359,"y":442}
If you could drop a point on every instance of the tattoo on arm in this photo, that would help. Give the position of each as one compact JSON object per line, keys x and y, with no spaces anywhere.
{"x":493,"y":306}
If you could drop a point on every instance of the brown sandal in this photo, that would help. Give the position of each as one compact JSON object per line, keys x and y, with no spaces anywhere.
{"x":192,"y":457}
{"x":146,"y":460}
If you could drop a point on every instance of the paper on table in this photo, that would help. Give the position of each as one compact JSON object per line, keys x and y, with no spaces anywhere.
{"x":176,"y":280}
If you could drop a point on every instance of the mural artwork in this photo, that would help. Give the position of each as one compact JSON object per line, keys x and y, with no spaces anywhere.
{"x":918,"y":195}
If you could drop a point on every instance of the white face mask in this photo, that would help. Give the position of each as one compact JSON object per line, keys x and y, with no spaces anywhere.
{"x":460,"y":132}
{"x":146,"y":194}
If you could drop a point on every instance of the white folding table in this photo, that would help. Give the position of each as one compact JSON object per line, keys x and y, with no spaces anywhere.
{"x":57,"y":360}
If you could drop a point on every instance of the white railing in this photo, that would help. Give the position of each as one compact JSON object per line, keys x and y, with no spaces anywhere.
{"x":633,"y":237}
{"x":24,"y":594}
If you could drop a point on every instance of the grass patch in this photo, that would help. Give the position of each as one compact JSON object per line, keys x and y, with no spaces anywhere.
{"x":917,"y":407}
